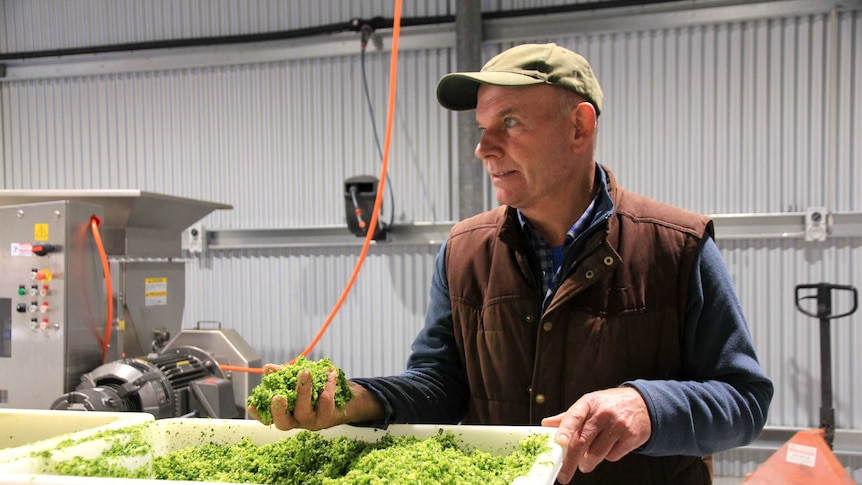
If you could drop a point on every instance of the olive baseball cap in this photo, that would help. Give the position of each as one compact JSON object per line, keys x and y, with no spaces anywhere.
{"x":523,"y":65}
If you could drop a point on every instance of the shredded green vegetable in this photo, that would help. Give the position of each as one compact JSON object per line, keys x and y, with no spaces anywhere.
{"x":309,"y":459}
{"x":123,"y":443}
{"x":283,"y":383}
{"x":306,"y":458}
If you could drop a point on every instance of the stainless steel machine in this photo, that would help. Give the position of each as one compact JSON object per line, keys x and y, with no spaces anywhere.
{"x":54,"y":309}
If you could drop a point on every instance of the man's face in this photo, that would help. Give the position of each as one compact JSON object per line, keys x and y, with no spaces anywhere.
{"x":526,"y":146}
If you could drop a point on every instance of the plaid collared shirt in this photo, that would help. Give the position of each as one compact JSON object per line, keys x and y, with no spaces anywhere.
{"x":551,"y":259}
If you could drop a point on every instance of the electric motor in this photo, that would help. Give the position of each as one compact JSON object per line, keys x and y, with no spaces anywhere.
{"x":183,"y":381}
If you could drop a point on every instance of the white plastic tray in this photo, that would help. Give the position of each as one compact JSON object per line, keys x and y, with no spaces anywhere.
{"x":19,"y":427}
{"x":173,"y":434}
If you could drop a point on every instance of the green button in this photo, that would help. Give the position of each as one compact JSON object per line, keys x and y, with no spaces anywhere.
{"x":22,"y":290}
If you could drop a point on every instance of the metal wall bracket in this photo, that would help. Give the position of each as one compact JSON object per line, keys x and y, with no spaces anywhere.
{"x":789,"y":225}
{"x":323,"y":236}
{"x":195,"y":238}
{"x":816,"y":224}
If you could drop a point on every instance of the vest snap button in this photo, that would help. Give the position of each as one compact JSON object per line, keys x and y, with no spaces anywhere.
{"x":589,"y":274}
{"x":530,"y":390}
{"x":529,"y":318}
{"x":609,"y":260}
{"x":547,"y":326}
{"x":540,"y":398}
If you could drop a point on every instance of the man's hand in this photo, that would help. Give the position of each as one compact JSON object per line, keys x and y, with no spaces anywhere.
{"x":363,"y":407}
{"x":602,"y":425}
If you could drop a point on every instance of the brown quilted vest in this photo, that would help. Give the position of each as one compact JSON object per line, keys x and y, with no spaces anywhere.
{"x":617,"y":316}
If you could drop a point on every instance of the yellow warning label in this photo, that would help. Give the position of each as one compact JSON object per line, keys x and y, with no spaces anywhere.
{"x":40,"y":232}
{"x":155,"y":291}
{"x":155,"y":298}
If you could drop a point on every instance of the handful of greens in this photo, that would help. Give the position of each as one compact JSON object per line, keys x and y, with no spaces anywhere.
{"x":284,"y":381}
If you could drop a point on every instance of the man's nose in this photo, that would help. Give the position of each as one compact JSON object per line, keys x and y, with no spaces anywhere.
{"x":487,"y":145}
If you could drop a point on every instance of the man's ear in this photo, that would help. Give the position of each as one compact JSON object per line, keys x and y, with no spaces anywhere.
{"x":585,"y":124}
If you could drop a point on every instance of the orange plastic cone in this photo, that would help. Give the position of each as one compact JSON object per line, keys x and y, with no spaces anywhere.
{"x":803,"y":460}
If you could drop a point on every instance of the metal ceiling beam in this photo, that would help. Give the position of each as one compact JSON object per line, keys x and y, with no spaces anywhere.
{"x":658,"y":16}
{"x":655,"y":16}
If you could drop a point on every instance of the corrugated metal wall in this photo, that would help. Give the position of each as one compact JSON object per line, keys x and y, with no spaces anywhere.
{"x":277,"y":299}
{"x":731,"y":117}
{"x":275,"y":140}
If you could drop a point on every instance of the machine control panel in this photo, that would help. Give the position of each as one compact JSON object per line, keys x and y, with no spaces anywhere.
{"x":36,"y":300}
{"x":51,"y":298}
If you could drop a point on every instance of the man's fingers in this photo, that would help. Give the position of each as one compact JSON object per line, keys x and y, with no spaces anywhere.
{"x":303,"y":411}
{"x":598,"y":450}
{"x":570,"y":437}
{"x":281,"y":417}
{"x":571,"y":423}
{"x":252,"y":411}
{"x":326,"y":400}
{"x":270,"y":368}
{"x":553,"y":421}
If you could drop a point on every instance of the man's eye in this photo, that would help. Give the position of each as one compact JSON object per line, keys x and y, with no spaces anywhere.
{"x":509,"y":122}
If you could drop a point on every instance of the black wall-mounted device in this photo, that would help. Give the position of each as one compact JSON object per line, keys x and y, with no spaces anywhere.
{"x":359,"y":195}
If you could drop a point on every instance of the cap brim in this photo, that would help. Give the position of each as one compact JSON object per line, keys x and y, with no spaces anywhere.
{"x":458,"y":90}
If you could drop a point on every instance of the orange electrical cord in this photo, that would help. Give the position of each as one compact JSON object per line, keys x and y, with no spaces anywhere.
{"x":94,"y":225}
{"x":378,"y":201}
{"x":237,"y":368}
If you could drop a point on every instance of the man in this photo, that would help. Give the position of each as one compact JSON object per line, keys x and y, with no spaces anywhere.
{"x":575,"y":304}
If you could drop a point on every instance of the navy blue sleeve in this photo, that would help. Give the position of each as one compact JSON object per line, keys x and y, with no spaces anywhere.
{"x":434,"y":387}
{"x":722,"y":400}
